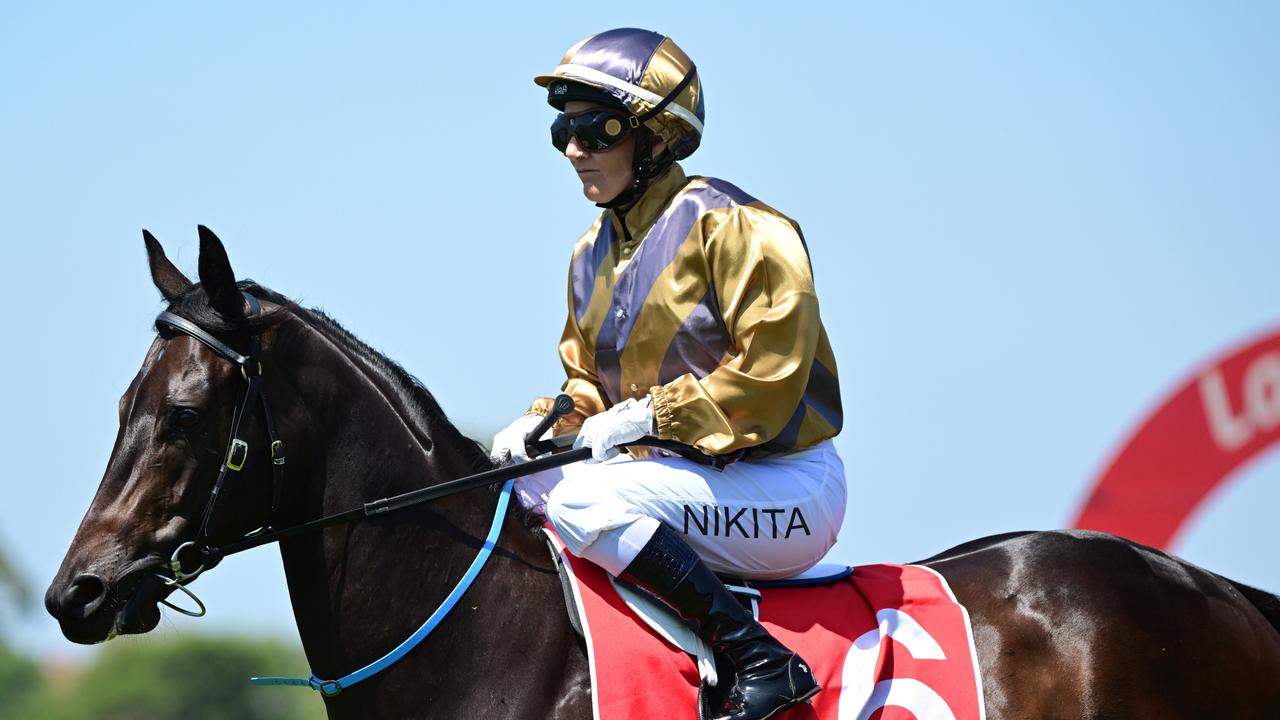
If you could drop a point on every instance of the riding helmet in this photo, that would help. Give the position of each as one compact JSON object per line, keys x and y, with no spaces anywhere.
{"x":641,"y":70}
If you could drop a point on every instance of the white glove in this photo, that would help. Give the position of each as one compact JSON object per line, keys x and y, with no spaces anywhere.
{"x":625,"y":422}
{"x":508,"y":444}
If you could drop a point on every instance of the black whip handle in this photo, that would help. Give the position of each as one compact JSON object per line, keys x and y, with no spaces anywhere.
{"x":561,"y":406}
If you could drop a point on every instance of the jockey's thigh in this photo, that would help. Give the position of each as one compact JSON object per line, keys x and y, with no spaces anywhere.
{"x":759,"y":519}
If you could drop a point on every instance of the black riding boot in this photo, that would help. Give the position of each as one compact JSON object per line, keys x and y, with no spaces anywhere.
{"x":770,"y":678}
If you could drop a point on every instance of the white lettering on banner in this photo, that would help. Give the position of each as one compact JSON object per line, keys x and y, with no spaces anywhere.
{"x":1261,"y":397}
{"x":1262,"y":391}
{"x":861,"y":695}
{"x":1230,"y":432}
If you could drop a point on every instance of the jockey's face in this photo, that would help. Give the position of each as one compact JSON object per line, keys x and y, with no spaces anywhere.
{"x":606,"y":173}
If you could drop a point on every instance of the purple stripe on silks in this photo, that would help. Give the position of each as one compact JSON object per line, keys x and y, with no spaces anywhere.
{"x":608,"y":362}
{"x":585,"y":266}
{"x":699,"y":343}
{"x":823,"y":395}
{"x":790,"y":435}
{"x":623,"y":53}
{"x":655,"y":254}
{"x":662,"y":244}
{"x":823,"y":389}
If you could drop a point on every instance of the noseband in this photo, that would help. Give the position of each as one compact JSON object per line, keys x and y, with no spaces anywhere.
{"x":237,"y":452}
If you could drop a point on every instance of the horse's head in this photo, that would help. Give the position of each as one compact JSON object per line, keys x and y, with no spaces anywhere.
{"x":175,"y":419}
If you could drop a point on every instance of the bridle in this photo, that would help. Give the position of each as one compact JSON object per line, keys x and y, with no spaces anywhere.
{"x":237,"y":452}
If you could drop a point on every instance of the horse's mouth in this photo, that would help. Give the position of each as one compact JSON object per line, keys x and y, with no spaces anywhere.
{"x":132,"y":607}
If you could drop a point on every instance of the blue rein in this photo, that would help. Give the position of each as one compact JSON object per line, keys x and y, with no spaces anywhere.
{"x":329,"y":688}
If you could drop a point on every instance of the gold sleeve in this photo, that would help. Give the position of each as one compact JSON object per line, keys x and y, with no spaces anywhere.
{"x":581,"y":382}
{"x":764,"y":285}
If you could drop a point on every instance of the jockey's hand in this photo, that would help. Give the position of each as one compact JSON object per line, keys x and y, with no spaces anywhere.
{"x":508,"y":444}
{"x":625,"y":422}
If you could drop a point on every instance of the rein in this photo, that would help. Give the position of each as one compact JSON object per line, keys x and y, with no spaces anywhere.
{"x":238,"y":452}
{"x":329,"y":688}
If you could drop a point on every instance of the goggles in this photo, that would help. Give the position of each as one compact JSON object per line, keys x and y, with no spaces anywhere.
{"x":595,"y":130}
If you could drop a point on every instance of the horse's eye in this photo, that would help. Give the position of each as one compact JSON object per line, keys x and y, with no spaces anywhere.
{"x":185,"y":418}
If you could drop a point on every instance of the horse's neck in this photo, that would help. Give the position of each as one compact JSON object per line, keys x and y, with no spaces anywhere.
{"x":358,"y":590}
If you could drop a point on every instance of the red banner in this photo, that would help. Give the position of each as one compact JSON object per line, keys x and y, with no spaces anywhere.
{"x":1224,"y":415}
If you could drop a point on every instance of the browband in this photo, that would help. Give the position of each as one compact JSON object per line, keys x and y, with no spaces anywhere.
{"x":187,"y":327}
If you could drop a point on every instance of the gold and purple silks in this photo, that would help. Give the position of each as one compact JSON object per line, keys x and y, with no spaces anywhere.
{"x":705,"y":300}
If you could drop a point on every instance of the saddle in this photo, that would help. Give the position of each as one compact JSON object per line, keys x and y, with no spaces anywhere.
{"x":885,"y":641}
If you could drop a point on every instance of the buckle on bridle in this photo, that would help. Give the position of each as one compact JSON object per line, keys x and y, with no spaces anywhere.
{"x":237,"y":454}
{"x":277,"y":452}
{"x":250,"y":362}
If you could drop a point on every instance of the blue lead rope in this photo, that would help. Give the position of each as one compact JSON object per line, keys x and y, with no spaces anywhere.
{"x":330,"y":688}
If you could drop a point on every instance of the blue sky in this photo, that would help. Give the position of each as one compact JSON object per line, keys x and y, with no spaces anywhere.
{"x":1027,"y":224}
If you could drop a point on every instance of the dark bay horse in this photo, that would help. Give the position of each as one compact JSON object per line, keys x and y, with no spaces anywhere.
{"x":1067,"y":624}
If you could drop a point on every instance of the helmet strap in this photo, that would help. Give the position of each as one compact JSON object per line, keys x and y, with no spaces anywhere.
{"x":675,"y":92}
{"x":644,"y":166}
{"x":644,"y":169}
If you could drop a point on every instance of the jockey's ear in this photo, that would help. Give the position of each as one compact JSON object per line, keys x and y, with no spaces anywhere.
{"x":217,"y":278}
{"x":168,"y":279}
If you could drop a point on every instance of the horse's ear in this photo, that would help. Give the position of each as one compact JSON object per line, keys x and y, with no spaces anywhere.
{"x":170,"y":281}
{"x":217,"y":277}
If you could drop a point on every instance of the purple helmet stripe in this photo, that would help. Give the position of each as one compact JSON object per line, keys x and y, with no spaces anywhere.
{"x":623,"y":53}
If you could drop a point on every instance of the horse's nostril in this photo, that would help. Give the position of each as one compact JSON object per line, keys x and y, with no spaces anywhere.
{"x":85,"y":594}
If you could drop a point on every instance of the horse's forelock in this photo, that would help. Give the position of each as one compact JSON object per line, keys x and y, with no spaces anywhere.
{"x":194,"y":306}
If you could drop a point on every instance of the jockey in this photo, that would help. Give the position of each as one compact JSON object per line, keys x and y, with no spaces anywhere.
{"x":692,"y":317}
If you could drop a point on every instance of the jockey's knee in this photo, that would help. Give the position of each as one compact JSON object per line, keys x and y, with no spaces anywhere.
{"x":597,"y":523}
{"x":577,"y":508}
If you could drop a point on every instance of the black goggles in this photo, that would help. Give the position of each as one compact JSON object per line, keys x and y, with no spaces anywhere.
{"x":595,"y":130}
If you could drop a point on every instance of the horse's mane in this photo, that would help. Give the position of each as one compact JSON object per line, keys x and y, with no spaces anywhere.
{"x":424,"y":413}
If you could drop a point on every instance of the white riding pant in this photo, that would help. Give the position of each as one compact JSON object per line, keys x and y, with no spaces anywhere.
{"x":758,"y":519}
